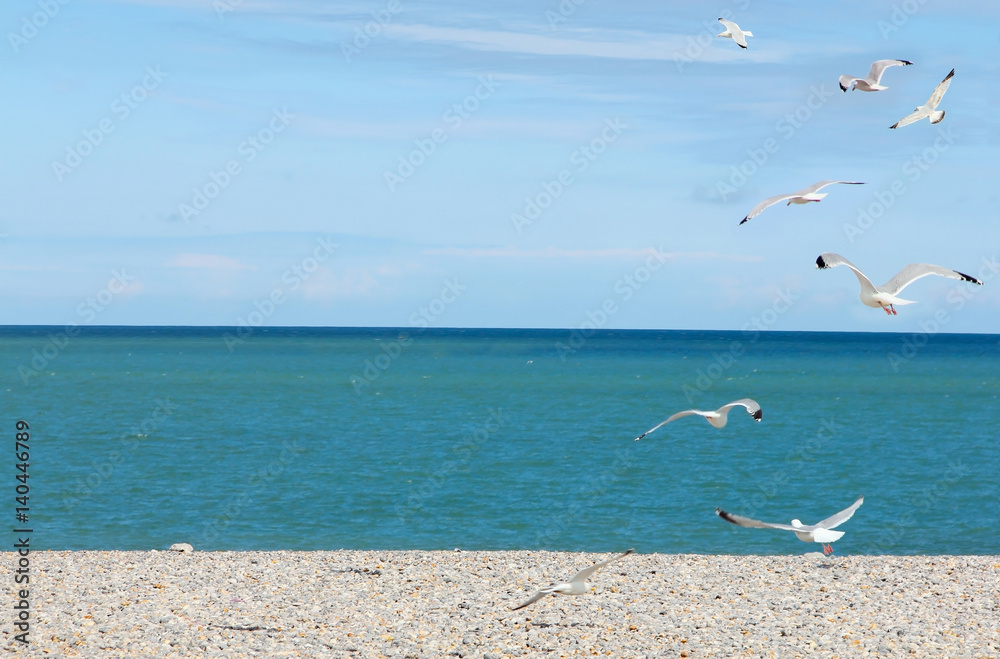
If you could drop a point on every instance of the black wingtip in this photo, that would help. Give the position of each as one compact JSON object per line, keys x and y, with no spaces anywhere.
{"x":820,"y":263}
{"x":744,"y":220}
{"x":842,"y":87}
{"x":724,"y":515}
{"x":966,"y":277}
{"x":906,"y":62}
{"x":742,"y":46}
{"x":950,"y":74}
{"x":758,"y":414}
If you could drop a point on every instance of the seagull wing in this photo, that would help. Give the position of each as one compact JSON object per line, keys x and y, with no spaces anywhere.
{"x":915,"y":271}
{"x":746,"y":522}
{"x":770,"y":201}
{"x":831,"y":260}
{"x":879,"y":67}
{"x":752,"y":407}
{"x":669,"y":419}
{"x":531,"y":600}
{"x":833,"y":521}
{"x":918,"y":114}
{"x":819,"y":185}
{"x":846,"y":81}
{"x":739,"y":36}
{"x":939,"y":91}
{"x":582,"y":575}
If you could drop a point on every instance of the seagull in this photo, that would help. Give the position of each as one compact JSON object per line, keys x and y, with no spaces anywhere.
{"x":801,"y":197}
{"x":928,"y":109}
{"x":576,"y":586}
{"x":818,"y":532}
{"x":885,"y":295}
{"x":870,"y":83}
{"x":717,"y":418}
{"x":734,"y":32}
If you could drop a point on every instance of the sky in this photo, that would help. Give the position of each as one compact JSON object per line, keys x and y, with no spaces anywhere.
{"x":568,"y":164}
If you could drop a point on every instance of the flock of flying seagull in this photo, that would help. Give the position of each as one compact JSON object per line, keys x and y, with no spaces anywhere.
{"x":884,"y":297}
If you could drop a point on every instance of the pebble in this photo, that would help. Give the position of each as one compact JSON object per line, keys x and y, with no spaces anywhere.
{"x":447,"y":603}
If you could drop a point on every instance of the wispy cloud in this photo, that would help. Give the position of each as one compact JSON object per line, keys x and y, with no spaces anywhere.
{"x":206,"y":261}
{"x":598,"y":43}
{"x":512,"y":252}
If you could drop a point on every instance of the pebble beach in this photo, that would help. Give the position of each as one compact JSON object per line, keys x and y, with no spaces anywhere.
{"x":458,"y":604}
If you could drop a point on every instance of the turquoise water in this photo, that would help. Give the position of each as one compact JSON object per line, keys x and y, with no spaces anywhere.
{"x":316,"y":439}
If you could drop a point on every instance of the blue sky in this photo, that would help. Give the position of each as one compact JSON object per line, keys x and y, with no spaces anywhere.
{"x":515,"y":164}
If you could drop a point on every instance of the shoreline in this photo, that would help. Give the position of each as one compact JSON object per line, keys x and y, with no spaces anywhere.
{"x":385,"y":603}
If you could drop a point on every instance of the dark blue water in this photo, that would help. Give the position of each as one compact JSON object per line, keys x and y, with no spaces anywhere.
{"x":502,"y":439}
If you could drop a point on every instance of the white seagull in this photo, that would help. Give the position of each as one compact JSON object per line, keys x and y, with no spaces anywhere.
{"x":576,"y":586}
{"x":885,"y":296}
{"x":872,"y":81}
{"x":717,"y":418}
{"x":734,"y":32}
{"x":819,"y":532}
{"x":803,"y":196}
{"x":928,"y":109}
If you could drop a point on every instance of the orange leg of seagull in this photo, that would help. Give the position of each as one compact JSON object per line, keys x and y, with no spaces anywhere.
{"x":827,"y":549}
{"x":893,"y":309}
{"x":886,"y":310}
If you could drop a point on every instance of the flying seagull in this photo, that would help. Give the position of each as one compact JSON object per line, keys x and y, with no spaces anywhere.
{"x":928,"y":109}
{"x":576,"y":586}
{"x":718,"y":418}
{"x":818,"y":532}
{"x":885,"y":295}
{"x":801,"y":197}
{"x":734,"y":32}
{"x":872,"y":81}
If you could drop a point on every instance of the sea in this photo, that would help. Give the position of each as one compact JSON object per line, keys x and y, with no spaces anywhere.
{"x":499,"y":439}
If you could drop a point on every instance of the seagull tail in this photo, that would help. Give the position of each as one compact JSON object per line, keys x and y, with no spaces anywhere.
{"x":936,"y":117}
